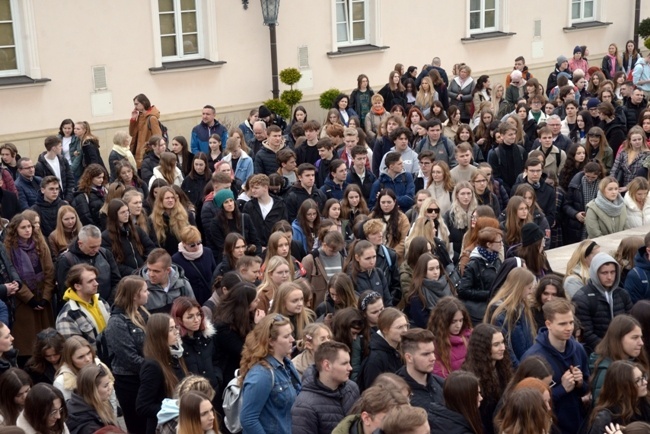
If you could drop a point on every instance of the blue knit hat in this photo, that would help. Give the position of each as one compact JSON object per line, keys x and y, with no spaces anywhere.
{"x":221,"y":196}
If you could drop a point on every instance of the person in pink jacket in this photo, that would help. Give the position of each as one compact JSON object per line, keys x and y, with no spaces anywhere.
{"x":451,"y":325}
{"x":578,"y":62}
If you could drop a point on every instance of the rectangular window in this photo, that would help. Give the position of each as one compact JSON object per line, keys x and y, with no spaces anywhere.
{"x":8,"y":47}
{"x":352,"y":22}
{"x":179,"y":29}
{"x":483,"y":16}
{"x":583,"y":11}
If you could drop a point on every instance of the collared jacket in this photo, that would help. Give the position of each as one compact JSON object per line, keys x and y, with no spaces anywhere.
{"x":48,"y":211}
{"x":266,"y":161}
{"x":160,"y":300}
{"x":132,"y":258}
{"x":125,"y":342}
{"x":44,"y":169}
{"x":319,"y":409}
{"x":332,"y":190}
{"x":28,"y":191}
{"x":297,"y":195}
{"x":424,"y":395}
{"x":382,"y":358}
{"x":264,"y":225}
{"x":199,"y":354}
{"x":201,"y":137}
{"x":149,"y":163}
{"x":141,"y":130}
{"x":75,"y":320}
{"x":366,"y":185}
{"x":244,"y":168}
{"x":267,"y":397}
{"x":402,"y":185}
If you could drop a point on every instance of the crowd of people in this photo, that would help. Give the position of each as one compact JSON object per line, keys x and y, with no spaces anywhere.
{"x":384,"y":271}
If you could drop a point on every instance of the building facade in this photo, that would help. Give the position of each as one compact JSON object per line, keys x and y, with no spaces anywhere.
{"x":87,"y":59}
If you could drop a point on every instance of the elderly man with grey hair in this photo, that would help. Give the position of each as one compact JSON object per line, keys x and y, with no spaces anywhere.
{"x":86,"y":248}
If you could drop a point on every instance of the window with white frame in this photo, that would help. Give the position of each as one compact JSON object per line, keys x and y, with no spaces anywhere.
{"x":180,"y":26}
{"x":583,"y":11}
{"x":352,"y":22}
{"x":483,"y":16}
{"x":9,"y":50}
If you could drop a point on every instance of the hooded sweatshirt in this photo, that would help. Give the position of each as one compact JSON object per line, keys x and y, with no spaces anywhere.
{"x":567,"y":405}
{"x":596,"y":304}
{"x":96,"y":310}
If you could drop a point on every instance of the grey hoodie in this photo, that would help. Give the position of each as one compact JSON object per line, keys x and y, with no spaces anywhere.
{"x":598,"y":261}
{"x":161,"y":301}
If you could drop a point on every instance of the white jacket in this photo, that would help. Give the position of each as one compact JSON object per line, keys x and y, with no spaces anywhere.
{"x":178,"y":176}
{"x":635,"y":216}
{"x":21,"y":422}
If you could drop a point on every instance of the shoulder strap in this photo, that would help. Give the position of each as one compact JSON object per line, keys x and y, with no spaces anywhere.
{"x":200,"y":274}
{"x":387,"y":254}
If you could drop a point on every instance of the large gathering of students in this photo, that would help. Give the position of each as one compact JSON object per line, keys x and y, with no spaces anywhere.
{"x":385,"y":271}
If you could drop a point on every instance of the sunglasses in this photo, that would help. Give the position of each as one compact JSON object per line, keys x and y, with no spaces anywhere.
{"x":198,"y":243}
{"x":432,"y":210}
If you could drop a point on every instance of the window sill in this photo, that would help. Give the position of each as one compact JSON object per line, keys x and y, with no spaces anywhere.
{"x":185,"y":65}
{"x":586,"y":26}
{"x":357,"y":49}
{"x":476,"y":37}
{"x":22,"y":81}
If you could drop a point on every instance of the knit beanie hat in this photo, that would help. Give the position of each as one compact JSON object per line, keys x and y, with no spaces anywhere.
{"x":577,"y":49}
{"x":592,"y":103}
{"x":560,"y":60}
{"x":264,"y":112}
{"x":221,"y":196}
{"x":530,"y":234}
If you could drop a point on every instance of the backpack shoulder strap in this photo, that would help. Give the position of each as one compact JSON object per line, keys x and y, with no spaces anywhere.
{"x":387,"y":254}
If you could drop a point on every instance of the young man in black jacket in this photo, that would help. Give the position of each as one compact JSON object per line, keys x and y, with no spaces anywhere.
{"x":264,"y":210}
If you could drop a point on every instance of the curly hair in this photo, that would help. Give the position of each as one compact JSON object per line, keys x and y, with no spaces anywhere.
{"x":46,"y":339}
{"x":493,"y":376}
{"x":439,"y":322}
{"x":86,"y":180}
{"x":258,"y":343}
{"x":177,"y":216}
{"x":11,"y":235}
{"x":571,"y":166}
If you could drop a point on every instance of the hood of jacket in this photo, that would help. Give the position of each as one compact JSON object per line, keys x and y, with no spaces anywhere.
{"x":378,"y":343}
{"x":175,"y":276}
{"x":265,"y":145}
{"x":169,"y":410}
{"x":75,"y":250}
{"x":641,"y":259}
{"x":598,"y":261}
{"x":243,"y":156}
{"x":567,"y":357}
{"x":42,"y":203}
{"x":439,"y":288}
{"x":385,"y":178}
{"x":207,"y":332}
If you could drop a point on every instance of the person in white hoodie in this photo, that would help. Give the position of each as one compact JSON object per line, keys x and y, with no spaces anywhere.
{"x":637,"y":202}
{"x":641,"y":74}
{"x":401,"y":137}
{"x":169,"y":411}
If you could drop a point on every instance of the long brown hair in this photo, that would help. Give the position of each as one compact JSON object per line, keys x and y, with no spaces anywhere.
{"x":115,"y":229}
{"x":157,"y":348}
{"x":513,"y":224}
{"x":439,"y":321}
{"x":127,"y":290}
{"x":189,"y":414}
{"x":524,"y":412}
{"x":620,"y":393}
{"x":611,"y":346}
{"x":88,"y":379}
{"x":420,"y":274}
{"x":11,"y":382}
{"x":461,"y":391}
{"x":168,"y":166}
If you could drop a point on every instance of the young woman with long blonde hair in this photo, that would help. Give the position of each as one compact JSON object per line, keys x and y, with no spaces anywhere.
{"x":68,"y":225}
{"x":90,"y":406}
{"x":167,"y":220}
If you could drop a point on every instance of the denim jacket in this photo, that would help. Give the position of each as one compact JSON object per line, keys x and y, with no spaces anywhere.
{"x":266,"y":407}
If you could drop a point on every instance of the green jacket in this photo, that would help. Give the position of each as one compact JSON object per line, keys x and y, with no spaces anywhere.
{"x":350,"y":425}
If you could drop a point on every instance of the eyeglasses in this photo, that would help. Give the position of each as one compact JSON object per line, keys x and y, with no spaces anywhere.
{"x":640,"y":380}
{"x":57,"y":411}
{"x":552,"y":385}
{"x":198,"y":243}
{"x":432,"y":210}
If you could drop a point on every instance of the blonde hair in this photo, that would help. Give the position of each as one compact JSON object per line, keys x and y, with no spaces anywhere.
{"x":300,"y":320}
{"x":578,"y":259}
{"x":178,"y":218}
{"x":88,"y":379}
{"x":512,"y":301}
{"x":257,"y":345}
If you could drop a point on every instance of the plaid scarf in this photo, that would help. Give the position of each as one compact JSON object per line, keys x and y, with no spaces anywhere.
{"x":589,"y":190}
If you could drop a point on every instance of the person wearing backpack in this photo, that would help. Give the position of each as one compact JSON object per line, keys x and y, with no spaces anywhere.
{"x":507,"y":160}
{"x":144,"y":123}
{"x":269,"y":381}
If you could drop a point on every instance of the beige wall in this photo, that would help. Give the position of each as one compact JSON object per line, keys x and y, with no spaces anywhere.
{"x":72,"y":36}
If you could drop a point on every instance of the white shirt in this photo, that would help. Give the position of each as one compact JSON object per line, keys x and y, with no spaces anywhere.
{"x":66,"y":148}
{"x":265,"y":209}
{"x":56,"y":167}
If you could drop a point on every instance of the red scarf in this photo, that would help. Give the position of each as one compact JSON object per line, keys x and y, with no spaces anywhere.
{"x":379,"y":112}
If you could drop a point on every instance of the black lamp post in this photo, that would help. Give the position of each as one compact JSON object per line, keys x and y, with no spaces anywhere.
{"x":270,"y":10}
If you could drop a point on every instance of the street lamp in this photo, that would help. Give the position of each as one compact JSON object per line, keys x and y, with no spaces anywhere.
{"x":270,"y":10}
